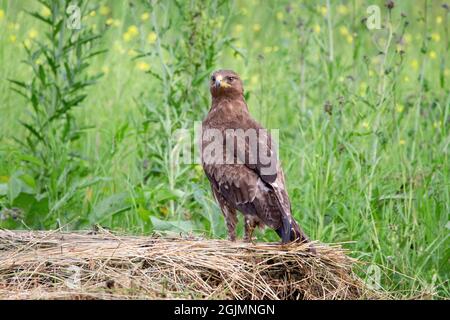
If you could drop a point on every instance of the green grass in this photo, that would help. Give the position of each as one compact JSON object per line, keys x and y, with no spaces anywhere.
{"x":364,"y":127}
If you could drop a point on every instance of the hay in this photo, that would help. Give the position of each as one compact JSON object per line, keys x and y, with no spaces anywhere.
{"x":58,"y":265}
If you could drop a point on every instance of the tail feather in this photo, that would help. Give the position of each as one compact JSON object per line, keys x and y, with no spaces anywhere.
{"x":286,"y":229}
{"x":290,"y":231}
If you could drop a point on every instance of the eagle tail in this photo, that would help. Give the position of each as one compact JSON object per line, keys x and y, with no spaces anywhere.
{"x":290,"y":231}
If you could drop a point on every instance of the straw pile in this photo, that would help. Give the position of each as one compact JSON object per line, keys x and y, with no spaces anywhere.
{"x":58,"y":265}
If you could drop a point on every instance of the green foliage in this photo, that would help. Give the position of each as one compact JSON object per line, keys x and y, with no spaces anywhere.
{"x":183,"y":62}
{"x":57,"y":85}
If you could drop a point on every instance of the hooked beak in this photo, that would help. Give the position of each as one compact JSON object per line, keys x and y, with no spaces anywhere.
{"x":217,"y":83}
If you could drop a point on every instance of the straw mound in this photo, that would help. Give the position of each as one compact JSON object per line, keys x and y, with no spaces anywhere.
{"x":56,"y":265}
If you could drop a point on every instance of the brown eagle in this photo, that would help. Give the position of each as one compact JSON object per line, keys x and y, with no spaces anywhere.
{"x":235,"y":149}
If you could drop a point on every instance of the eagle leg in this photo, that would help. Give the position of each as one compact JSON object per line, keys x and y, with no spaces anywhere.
{"x":230,"y":219}
{"x":228,"y":212}
{"x":249,"y":226}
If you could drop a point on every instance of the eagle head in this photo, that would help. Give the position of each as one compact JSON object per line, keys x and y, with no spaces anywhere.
{"x":226,"y":83}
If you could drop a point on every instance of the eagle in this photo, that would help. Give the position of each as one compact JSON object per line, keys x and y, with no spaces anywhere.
{"x":234,"y":153}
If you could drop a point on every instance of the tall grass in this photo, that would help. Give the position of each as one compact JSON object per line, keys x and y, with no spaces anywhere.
{"x":363,"y":118}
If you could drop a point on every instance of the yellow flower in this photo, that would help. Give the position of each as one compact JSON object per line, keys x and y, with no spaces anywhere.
{"x":32,"y":34}
{"x":133,"y":30}
{"x":109,"y":21}
{"x":280,"y":15}
{"x":436,"y":37}
{"x":433,"y":55}
{"x":116,"y":23}
{"x":415,"y":64}
{"x":275,"y":48}
{"x":438,"y":19}
{"x":143,"y":66}
{"x":267,"y":50}
{"x":151,"y":38}
{"x":244,"y":12}
{"x":145,"y":16}
{"x":401,"y":142}
{"x":446,"y":72}
{"x":399,"y":108}
{"x":436,"y":124}
{"x":13,"y":26}
{"x":93,"y":13}
{"x":343,"y":31}
{"x":46,"y":12}
{"x":127,"y":36}
{"x":254,"y":80}
{"x":349,"y":38}
{"x":131,"y":33}
{"x":164,"y":210}
{"x":323,"y":10}
{"x":238,"y":28}
{"x":342,"y":9}
{"x":104,"y":10}
{"x":256,"y":27}
{"x":406,"y":79}
{"x":316,"y":28}
{"x":13,"y":38}
{"x":371,"y":73}
{"x":105,"y":69}
{"x":2,"y":14}
{"x":365,"y":125}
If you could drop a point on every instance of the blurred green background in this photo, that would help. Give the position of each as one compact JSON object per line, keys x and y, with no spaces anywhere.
{"x":87,"y":119}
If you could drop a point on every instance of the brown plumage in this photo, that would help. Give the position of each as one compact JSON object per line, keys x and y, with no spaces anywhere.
{"x":245,"y":186}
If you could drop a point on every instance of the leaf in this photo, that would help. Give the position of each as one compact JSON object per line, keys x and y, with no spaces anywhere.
{"x":3,"y":189}
{"x":164,"y":195}
{"x":174,"y":226}
{"x":32,"y":130}
{"x":18,"y":83}
{"x":34,"y":209}
{"x":38,"y":16}
{"x":42,"y":76}
{"x":20,"y":183}
{"x":30,"y":158}
{"x":72,"y":190}
{"x":112,"y":205}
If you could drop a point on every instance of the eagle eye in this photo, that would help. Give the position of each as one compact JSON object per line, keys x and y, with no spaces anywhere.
{"x":230,"y":79}
{"x":213,"y":78}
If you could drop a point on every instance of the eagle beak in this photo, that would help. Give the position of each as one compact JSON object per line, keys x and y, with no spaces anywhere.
{"x":217,"y":83}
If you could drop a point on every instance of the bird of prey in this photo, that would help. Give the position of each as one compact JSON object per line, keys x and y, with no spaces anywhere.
{"x":235,"y":149}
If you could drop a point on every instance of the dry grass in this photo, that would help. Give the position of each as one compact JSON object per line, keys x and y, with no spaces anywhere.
{"x":57,"y":265}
